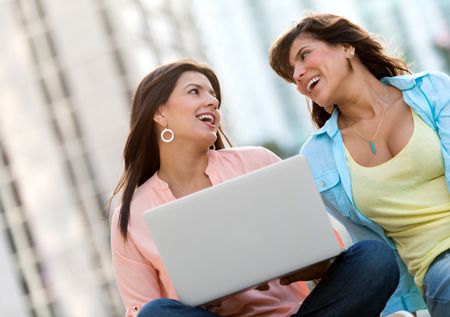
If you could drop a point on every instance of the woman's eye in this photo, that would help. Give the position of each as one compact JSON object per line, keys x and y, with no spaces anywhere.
{"x":193,"y":91}
{"x":304,"y":54}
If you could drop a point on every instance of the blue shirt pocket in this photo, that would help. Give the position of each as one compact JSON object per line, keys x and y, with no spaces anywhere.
{"x":326,"y":181}
{"x":333,"y":195}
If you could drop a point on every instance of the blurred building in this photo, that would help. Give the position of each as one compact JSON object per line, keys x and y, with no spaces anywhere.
{"x":259,"y":108}
{"x":67,"y":69}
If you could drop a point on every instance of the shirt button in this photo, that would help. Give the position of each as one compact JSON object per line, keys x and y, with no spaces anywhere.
{"x":135,"y":308}
{"x":322,"y":184}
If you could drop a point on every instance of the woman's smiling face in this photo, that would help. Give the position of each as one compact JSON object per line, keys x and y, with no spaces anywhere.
{"x":192,"y":110}
{"x":319,"y":68}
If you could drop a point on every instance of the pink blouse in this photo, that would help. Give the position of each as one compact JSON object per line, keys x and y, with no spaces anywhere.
{"x":140,"y":275}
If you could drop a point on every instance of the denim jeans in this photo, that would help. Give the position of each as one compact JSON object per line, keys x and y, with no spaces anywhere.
{"x":358,"y":283}
{"x":436,"y":286}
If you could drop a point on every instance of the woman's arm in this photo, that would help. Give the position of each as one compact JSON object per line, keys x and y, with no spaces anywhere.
{"x":437,"y":92}
{"x":137,"y":280}
{"x":309,"y":273}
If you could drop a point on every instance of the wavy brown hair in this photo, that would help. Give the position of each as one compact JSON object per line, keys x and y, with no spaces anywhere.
{"x":334,"y":30}
{"x":141,"y":153}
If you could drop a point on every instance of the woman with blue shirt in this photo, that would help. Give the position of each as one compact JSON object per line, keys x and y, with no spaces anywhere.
{"x":381,"y":156}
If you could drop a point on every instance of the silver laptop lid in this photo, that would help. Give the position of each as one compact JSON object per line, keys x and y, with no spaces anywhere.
{"x":243,"y":232}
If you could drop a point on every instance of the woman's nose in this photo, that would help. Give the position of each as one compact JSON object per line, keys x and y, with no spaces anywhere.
{"x":213,"y":102}
{"x":299,"y":70}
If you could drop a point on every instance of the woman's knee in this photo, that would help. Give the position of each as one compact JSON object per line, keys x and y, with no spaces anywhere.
{"x":158,"y":307}
{"x":377,"y":251}
{"x":437,"y":280}
{"x":439,"y":288}
{"x":379,"y":260}
{"x":437,"y":295}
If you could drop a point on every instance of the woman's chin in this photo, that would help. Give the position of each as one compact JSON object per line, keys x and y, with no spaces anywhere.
{"x":212,"y":143}
{"x":209,"y":141}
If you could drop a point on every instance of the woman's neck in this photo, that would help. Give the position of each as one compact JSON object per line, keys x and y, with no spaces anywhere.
{"x":183,"y":168}
{"x":365,"y":99}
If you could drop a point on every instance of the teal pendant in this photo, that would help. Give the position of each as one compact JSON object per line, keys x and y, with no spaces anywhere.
{"x":372,"y":146}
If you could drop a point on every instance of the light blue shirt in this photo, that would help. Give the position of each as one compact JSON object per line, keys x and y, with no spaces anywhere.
{"x":428,"y":94}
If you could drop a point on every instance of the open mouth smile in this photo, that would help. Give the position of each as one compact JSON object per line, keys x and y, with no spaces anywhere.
{"x":208,"y":118}
{"x":312,"y":83}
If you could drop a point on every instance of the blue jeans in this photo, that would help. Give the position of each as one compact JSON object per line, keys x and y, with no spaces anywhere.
{"x":358,"y":283}
{"x":436,"y":286}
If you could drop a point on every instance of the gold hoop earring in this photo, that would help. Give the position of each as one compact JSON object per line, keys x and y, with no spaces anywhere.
{"x":349,"y":60}
{"x":329,"y":109}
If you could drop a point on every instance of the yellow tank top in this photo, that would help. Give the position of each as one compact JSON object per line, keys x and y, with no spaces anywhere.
{"x":407,"y":196}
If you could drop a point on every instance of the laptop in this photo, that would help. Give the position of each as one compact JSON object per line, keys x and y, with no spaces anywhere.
{"x":243,"y":232}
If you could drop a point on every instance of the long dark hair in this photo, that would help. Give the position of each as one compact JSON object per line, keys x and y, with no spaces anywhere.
{"x":141,"y":153}
{"x":334,"y":30}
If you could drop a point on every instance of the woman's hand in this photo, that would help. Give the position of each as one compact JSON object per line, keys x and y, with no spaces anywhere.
{"x":211,"y":305}
{"x":263,"y":287}
{"x":312,"y":272}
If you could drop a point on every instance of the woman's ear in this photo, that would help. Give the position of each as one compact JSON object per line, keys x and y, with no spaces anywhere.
{"x":160,"y":118}
{"x":349,"y":51}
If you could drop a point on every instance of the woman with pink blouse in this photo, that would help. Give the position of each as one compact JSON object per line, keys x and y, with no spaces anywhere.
{"x":176,"y":146}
